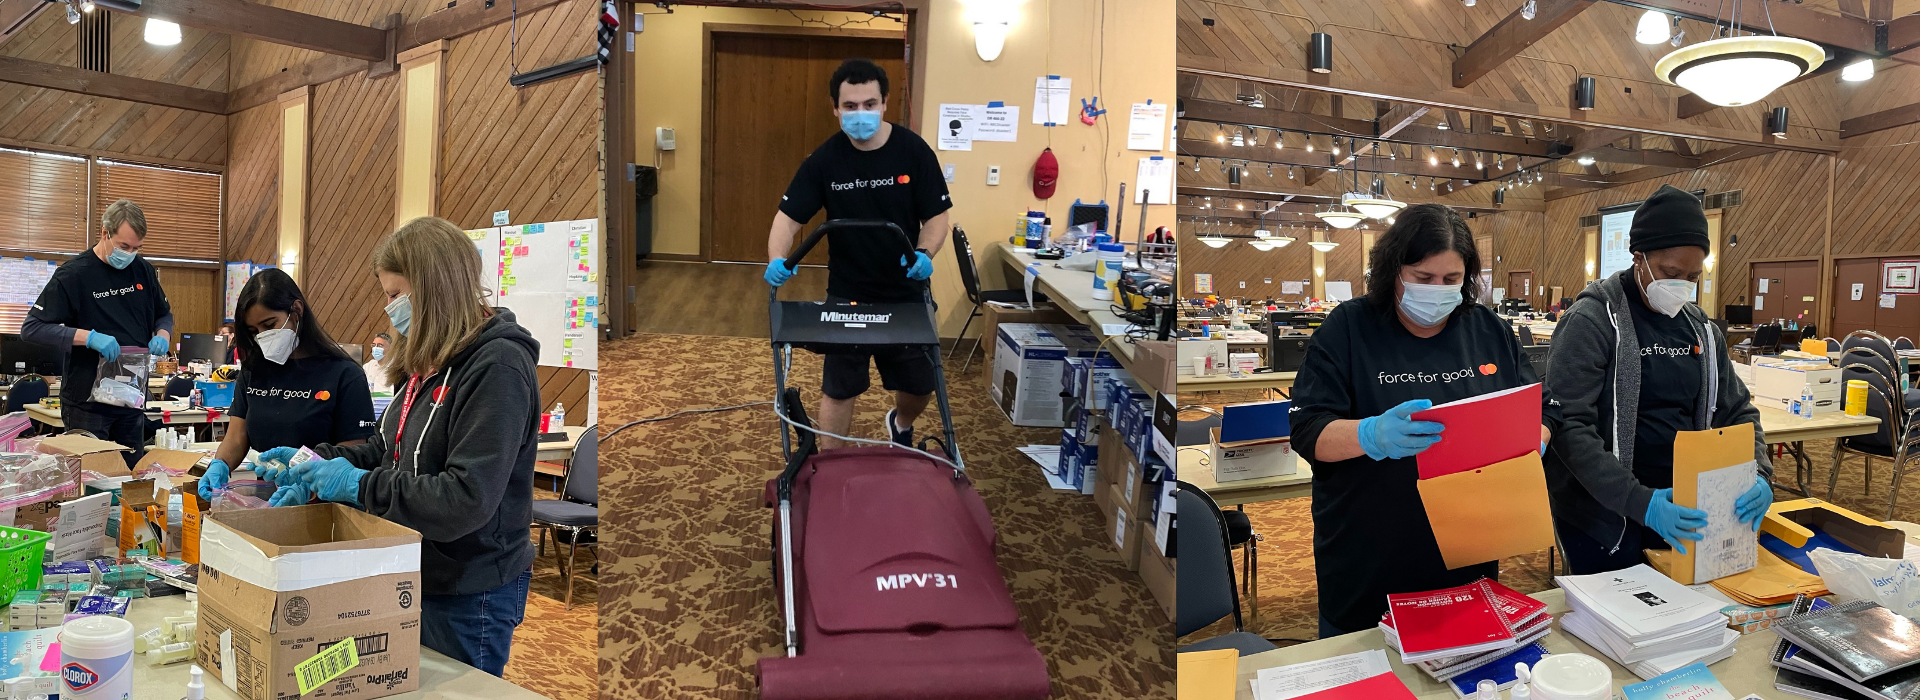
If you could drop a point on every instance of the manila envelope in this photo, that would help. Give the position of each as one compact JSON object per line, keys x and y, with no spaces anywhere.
{"x":1696,"y":451}
{"x":1208,"y":675}
{"x":1490,"y":513}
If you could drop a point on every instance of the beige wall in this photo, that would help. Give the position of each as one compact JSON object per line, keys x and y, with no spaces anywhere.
{"x":1047,"y":37}
{"x":667,"y":92}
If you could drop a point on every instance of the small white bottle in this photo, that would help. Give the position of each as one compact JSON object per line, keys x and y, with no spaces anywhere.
{"x":196,"y":688}
{"x":559,"y":422}
{"x":1487,"y":690}
{"x":1806,"y":401}
{"x":1521,"y":691}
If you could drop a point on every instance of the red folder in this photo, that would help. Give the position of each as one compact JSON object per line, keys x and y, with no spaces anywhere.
{"x":1385,"y":686}
{"x":1463,"y":617}
{"x":1486,"y":429}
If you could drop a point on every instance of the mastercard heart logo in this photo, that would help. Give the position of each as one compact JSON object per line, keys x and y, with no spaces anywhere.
{"x":139,"y":286}
{"x":1488,"y":369}
{"x":322,"y":395}
{"x":904,"y":179}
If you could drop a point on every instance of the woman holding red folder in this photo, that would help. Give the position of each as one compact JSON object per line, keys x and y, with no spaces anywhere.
{"x":1417,"y":339}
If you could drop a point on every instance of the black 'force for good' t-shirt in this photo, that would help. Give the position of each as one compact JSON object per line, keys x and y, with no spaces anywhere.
{"x":898,"y":182}
{"x":1669,"y":389}
{"x":88,"y":294}
{"x":307,"y":401}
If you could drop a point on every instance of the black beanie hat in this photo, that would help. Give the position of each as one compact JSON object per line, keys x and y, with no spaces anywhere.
{"x":1671,"y":218}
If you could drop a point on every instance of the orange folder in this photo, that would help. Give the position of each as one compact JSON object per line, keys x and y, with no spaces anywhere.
{"x":1490,"y":513}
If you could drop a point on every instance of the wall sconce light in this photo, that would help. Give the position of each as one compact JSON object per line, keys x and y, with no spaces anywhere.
{"x":991,"y":21}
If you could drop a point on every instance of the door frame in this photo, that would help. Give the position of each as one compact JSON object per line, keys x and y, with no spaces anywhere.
{"x":1822,"y":298}
{"x":901,"y":88}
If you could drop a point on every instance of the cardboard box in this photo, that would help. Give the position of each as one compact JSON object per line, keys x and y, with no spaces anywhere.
{"x":994,"y":314}
{"x":1026,"y":377}
{"x":88,"y":453}
{"x":1161,"y":576}
{"x":1252,"y":459}
{"x":1123,"y":530}
{"x":145,"y":523}
{"x":279,"y":585}
{"x":1156,"y":364}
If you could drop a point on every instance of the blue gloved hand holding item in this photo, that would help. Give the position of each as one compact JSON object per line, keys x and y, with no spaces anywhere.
{"x":215,"y":478}
{"x":920,"y":268}
{"x":290,"y":495}
{"x":777,"y":272}
{"x":272,"y":465}
{"x":104,"y":344}
{"x":1674,"y":522}
{"x":1395,"y":434}
{"x":335,"y":480}
{"x":158,"y":345}
{"x":1752,"y":506}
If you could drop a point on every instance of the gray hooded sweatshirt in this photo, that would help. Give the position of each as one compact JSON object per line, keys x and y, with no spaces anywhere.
{"x":1594,"y":374}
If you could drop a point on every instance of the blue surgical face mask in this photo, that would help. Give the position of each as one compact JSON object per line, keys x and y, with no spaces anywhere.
{"x":860,"y":125}
{"x":119,"y":259}
{"x":1429,"y":304}
{"x":400,"y":312}
{"x":379,"y":352}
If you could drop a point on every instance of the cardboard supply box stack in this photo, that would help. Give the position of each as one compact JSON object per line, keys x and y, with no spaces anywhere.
{"x":279,"y":585}
{"x":1777,"y":383}
{"x":993,"y":314}
{"x":1027,"y":368}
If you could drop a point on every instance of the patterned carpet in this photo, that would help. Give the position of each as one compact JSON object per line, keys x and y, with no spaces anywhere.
{"x":553,"y":648}
{"x":690,"y":602}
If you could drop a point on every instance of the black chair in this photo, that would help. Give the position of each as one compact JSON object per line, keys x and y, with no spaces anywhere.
{"x":577,"y":511}
{"x":179,"y":386}
{"x":29,"y":389}
{"x":1207,"y":592}
{"x":1196,"y":432}
{"x":1894,"y":437}
{"x":1901,"y":343}
{"x":1883,"y":347}
{"x":1526,"y":336}
{"x":1766,"y":339}
{"x":1833,"y":345}
{"x":970,"y":279}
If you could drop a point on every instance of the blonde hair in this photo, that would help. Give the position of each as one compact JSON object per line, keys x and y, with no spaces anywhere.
{"x":449,"y":305}
{"x":123,"y":212}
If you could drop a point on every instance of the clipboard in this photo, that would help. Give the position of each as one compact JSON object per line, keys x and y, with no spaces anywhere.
{"x":1472,"y":528}
{"x":1696,"y":451}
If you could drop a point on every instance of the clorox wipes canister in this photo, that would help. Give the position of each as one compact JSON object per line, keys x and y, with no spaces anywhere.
{"x":96,"y":659}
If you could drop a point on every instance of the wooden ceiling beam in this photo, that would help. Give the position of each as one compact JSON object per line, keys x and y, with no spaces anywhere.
{"x":271,"y":24}
{"x":1270,"y":118}
{"x":119,"y":87}
{"x":1310,"y":200}
{"x":1319,"y":162}
{"x":1512,"y":35}
{"x":1397,"y":118}
{"x":1880,"y":121}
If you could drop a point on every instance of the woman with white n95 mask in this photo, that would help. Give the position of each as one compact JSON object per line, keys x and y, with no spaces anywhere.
{"x":296,"y":386}
{"x":1418,"y":338}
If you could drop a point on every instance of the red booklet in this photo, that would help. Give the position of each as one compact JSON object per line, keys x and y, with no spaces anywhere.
{"x":1520,"y":610}
{"x":1385,"y":686}
{"x":1486,"y":429}
{"x":1447,"y":622}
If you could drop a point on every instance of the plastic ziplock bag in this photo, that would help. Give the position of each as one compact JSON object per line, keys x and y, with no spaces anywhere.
{"x":244,"y":494}
{"x":33,"y":477}
{"x":1893,"y":583}
{"x":123,"y":381}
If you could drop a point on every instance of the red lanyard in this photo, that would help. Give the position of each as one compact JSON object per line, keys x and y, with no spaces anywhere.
{"x":406,"y":406}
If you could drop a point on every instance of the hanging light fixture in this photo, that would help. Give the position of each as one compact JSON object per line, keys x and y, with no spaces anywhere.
{"x":1456,"y":158}
{"x":1857,"y":71}
{"x":1584,"y":160}
{"x":1220,"y":137}
{"x":1309,"y":143}
{"x":1339,"y":218}
{"x":162,"y":33}
{"x":1375,"y":207}
{"x":1261,"y":244}
{"x":1279,"y":139}
{"x":1289,"y":172}
{"x":1325,"y":246}
{"x":1214,"y":240}
{"x":1652,"y":28}
{"x":1530,"y":9}
{"x":1239,"y":139}
{"x":1478,"y":164}
{"x":1737,"y":70}
{"x":1583,"y":93}
{"x":73,"y":14}
{"x":1320,"y":53}
{"x":1433,"y":156}
{"x":1469,"y":3}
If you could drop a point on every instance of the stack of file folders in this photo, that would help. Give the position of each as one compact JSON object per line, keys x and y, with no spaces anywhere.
{"x":1645,"y":621}
{"x":1452,"y":631}
{"x":1851,"y":651}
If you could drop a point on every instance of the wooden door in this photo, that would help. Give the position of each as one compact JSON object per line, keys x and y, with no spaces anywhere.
{"x":1792,"y":291}
{"x":1851,"y":314}
{"x":767,"y":108}
{"x":1520,"y":284}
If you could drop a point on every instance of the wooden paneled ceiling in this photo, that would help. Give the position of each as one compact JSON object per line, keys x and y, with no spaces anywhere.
{"x":1396,"y":63}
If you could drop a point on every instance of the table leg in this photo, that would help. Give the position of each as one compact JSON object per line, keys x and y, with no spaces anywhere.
{"x":1249,"y":583}
{"x":1802,"y":469}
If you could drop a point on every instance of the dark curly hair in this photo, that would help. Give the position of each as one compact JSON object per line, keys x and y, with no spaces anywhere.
{"x":1419,"y":232}
{"x":857,"y":71}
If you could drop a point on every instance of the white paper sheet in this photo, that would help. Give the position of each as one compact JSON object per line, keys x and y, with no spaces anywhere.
{"x":1202,"y":283}
{"x":1052,"y":100}
{"x":1147,"y":128}
{"x":998,"y":121}
{"x":1858,"y":290}
{"x":1726,"y":547}
{"x":1339,"y":290}
{"x":1293,"y":287}
{"x":956,"y":127}
{"x":1155,"y":181}
{"x":1760,"y":303}
{"x":82,"y":522}
{"x":1286,"y":682}
{"x":1762,"y":282}
{"x":1886,"y":301}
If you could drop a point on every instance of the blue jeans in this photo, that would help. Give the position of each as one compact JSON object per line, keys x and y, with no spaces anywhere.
{"x":476,"y":629}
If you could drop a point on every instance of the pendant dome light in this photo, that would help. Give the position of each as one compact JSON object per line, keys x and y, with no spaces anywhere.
{"x":1339,"y":218}
{"x":1736,"y":70}
{"x":1652,"y":28}
{"x":1261,"y":244}
{"x":1324,"y":246}
{"x":1857,"y":71}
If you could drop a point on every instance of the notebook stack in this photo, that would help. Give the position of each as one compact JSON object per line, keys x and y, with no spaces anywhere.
{"x":1451,"y":631}
{"x":1645,"y":621}
{"x":1850,"y":651}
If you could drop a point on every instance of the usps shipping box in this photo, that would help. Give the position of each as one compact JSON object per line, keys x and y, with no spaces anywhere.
{"x":1252,"y":459}
{"x":279,"y":585}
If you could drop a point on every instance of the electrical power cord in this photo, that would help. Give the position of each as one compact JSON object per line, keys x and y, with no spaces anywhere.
{"x":784,"y":419}
{"x":677,"y":414}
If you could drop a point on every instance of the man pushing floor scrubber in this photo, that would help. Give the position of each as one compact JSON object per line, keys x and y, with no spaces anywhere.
{"x":883,"y":555}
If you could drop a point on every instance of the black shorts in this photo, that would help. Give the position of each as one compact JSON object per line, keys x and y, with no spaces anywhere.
{"x":902,"y":369}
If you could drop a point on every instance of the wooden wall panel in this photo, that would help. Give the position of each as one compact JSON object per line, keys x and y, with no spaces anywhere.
{"x":1344,"y":262}
{"x":1517,"y":239}
{"x":354,"y":146}
{"x":1876,"y":204}
{"x":195,"y":295}
{"x":253,"y":186}
{"x":1238,"y":262}
{"x":568,"y":387}
{"x":534,"y":151}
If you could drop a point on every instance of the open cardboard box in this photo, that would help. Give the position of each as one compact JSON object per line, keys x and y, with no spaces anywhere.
{"x":1794,"y":521}
{"x":278,"y":585}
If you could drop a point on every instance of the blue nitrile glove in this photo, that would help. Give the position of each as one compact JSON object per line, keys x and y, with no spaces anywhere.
{"x":215,"y":478}
{"x":158,"y":344}
{"x":1395,"y":434}
{"x":290,"y":495}
{"x":777,"y":272}
{"x":104,"y":344}
{"x":921,"y":267}
{"x":335,"y":480}
{"x":1674,"y":522}
{"x":272,"y":465}
{"x":1752,"y":506}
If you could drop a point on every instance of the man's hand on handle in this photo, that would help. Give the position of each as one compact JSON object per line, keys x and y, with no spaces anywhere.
{"x":919,"y":266}
{"x":777,"y":272}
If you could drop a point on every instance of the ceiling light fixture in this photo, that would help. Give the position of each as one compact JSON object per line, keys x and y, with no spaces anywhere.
{"x":1374,"y":206}
{"x":162,"y":33}
{"x":1220,"y":138}
{"x":990,"y":23}
{"x":1289,"y":172}
{"x":1652,"y":28}
{"x":1857,"y":71}
{"x":1777,"y":122}
{"x":1325,"y":246}
{"x":1261,"y":244}
{"x":1584,"y":160}
{"x":73,"y":15}
{"x":1469,"y":3}
{"x":1279,"y":139}
{"x":1320,"y":53}
{"x":1530,"y":9}
{"x":1433,"y":157}
{"x":1338,"y":218}
{"x":86,"y":6}
{"x":1737,"y":70}
{"x":1239,"y":139}
{"x":1679,"y":35}
{"x":1583,"y":90}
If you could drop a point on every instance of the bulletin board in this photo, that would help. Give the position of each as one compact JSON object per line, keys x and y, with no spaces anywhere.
{"x":549,"y":275}
{"x":21,"y":279}
{"x":237,"y":275}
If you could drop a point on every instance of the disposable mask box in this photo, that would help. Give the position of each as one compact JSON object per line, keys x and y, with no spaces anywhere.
{"x":279,"y":585}
{"x":1027,"y":369}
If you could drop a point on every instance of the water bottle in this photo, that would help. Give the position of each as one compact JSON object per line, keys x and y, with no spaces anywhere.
{"x":559,"y":421}
{"x":1806,"y":401}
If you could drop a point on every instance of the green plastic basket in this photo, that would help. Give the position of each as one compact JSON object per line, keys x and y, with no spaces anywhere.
{"x":21,"y":552}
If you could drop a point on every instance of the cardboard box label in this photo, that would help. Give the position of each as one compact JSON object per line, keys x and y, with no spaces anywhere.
{"x":326,"y":665}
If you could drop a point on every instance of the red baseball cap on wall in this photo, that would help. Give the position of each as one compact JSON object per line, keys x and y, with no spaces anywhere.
{"x":1046,"y":173}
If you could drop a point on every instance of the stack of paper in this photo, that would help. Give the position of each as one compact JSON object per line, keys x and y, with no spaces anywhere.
{"x":1526,"y":621}
{"x":1365,"y":675}
{"x":1850,"y":650}
{"x":1646,"y":621}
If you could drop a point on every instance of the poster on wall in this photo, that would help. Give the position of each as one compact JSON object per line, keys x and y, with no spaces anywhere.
{"x":1900,"y":277}
{"x":1202,"y":283}
{"x":1614,"y":255}
{"x":956,"y":127}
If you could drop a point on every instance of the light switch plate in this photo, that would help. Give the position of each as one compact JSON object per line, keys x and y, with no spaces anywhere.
{"x":993,"y":175}
{"x":948,"y":171}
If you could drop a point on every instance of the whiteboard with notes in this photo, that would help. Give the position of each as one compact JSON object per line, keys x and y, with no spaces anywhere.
{"x":549,"y":275}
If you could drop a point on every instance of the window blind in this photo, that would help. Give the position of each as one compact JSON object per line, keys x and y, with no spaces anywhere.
{"x":182,"y":206}
{"x":43,"y":201}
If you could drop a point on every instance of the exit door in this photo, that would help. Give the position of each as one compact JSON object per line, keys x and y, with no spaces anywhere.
{"x":1788,"y":290}
{"x":1520,"y":284}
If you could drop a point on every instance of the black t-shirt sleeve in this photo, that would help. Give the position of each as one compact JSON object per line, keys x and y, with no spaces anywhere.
{"x":239,"y":407}
{"x":55,"y":303}
{"x":804,"y":195}
{"x":1321,"y":392}
{"x":161,"y":308}
{"x":353,"y":415}
{"x":929,"y":185}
